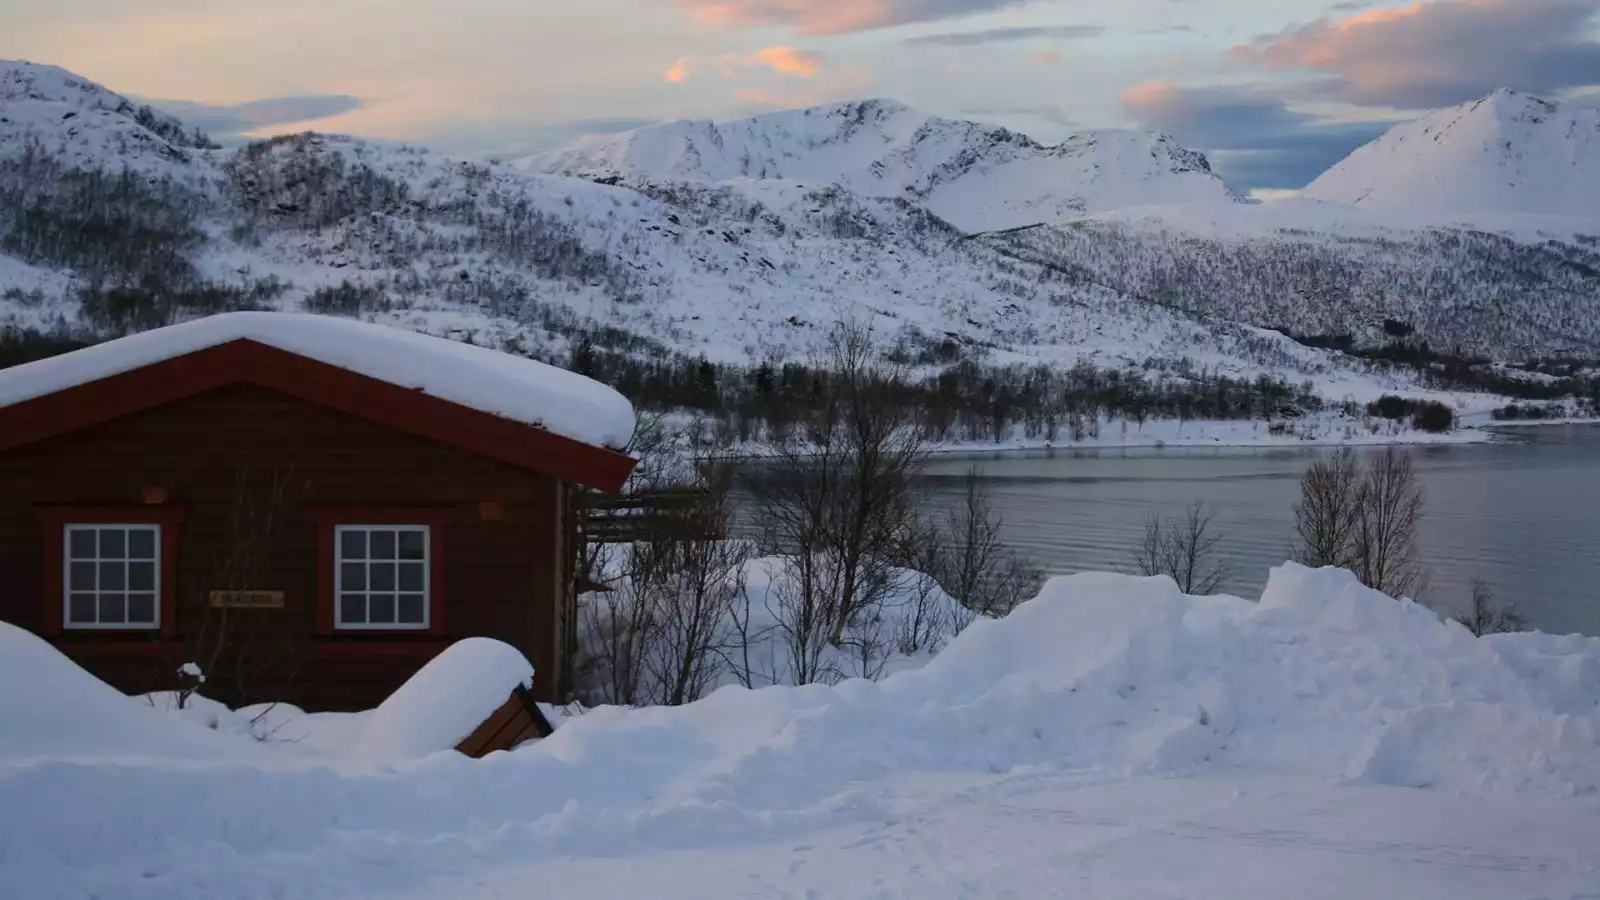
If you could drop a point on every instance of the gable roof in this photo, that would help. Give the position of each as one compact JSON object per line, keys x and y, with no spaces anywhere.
{"x":493,"y":404}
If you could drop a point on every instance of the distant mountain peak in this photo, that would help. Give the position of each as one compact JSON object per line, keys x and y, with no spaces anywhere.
{"x":980,"y":177}
{"x":1507,"y":152}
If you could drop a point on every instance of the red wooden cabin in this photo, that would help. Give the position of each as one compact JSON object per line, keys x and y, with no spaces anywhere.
{"x":306,"y":508}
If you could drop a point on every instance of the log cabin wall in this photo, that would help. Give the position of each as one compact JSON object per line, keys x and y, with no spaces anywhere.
{"x":246,"y":475}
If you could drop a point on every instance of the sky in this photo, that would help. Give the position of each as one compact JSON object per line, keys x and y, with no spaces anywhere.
{"x":1274,"y":90}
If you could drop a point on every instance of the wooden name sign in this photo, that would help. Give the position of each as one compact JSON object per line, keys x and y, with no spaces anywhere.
{"x":247,"y":599}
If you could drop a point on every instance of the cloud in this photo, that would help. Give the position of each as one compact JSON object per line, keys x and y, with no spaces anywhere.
{"x":1001,"y":35}
{"x":1045,"y":58}
{"x":788,"y":61}
{"x":1044,"y":112}
{"x":1439,"y":53}
{"x":782,"y":60}
{"x":827,"y":17}
{"x":1256,"y":140}
{"x":236,"y":119}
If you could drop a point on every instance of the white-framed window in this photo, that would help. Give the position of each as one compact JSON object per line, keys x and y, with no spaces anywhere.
{"x":381,"y":576}
{"x":112,"y":577}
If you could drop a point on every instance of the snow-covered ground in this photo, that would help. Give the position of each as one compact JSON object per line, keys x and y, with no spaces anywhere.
{"x":1112,"y":738}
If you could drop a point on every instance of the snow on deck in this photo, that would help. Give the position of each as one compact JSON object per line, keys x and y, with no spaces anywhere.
{"x":497,"y":383}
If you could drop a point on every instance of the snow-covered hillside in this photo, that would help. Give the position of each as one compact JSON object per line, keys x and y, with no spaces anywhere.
{"x":976,"y":177}
{"x":739,"y":272}
{"x":1508,"y":152}
{"x":745,"y":242}
{"x":81,"y":123}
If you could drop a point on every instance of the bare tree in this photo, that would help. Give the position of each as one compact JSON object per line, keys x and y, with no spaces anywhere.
{"x":1363,"y":518}
{"x":1325,"y":517}
{"x":961,"y":548}
{"x":248,"y":663}
{"x":1384,"y":549}
{"x":693,"y":629}
{"x":1184,"y":549}
{"x":1486,"y":615}
{"x":836,"y":500}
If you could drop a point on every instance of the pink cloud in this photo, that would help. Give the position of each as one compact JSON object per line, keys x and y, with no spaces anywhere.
{"x":1045,"y":58}
{"x":788,"y":61}
{"x":679,"y":73}
{"x":824,"y":17}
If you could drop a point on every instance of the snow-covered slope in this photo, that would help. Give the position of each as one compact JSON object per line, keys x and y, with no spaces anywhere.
{"x":745,"y":242}
{"x":1508,"y":152}
{"x":80,"y":122}
{"x":977,"y":177}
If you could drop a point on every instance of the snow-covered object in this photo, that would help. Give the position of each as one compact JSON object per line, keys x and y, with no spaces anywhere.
{"x":51,"y":708}
{"x":1320,"y":699}
{"x":1509,"y":152}
{"x":977,"y":177}
{"x":497,"y":383}
{"x":444,"y":701}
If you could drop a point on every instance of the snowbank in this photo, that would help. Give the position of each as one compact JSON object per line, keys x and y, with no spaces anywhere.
{"x":444,"y":701}
{"x":51,"y":708}
{"x":1101,"y":679}
{"x":497,"y":383}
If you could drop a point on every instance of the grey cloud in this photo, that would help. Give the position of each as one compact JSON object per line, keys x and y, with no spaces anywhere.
{"x":230,"y":121}
{"x":1254,"y":139}
{"x":512,"y":139}
{"x":1001,"y":35}
{"x":1438,"y":54}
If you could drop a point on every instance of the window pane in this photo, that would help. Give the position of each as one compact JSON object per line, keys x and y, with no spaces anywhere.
{"x":142,"y":543}
{"x":410,"y":612}
{"x":383,"y":545}
{"x":353,"y":576}
{"x":81,"y":543}
{"x":353,"y":609}
{"x":80,"y":577}
{"x":352,"y":544}
{"x":411,"y":544}
{"x":142,"y":608}
{"x":382,"y":606}
{"x":113,"y":609}
{"x":112,"y":545}
{"x":411,"y":576}
{"x":112,"y":575}
{"x":81,"y":609}
{"x":382,"y":575}
{"x":142,"y":576}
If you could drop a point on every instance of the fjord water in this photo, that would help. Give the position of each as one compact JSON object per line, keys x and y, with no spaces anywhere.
{"x":1521,"y":513}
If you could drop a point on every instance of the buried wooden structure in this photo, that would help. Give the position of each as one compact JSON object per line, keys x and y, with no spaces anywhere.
{"x":517,"y":720}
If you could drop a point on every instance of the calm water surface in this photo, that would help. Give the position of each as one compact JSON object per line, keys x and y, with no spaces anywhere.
{"x":1522,"y":513}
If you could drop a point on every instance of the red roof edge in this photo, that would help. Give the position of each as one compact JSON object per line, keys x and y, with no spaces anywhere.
{"x":251,"y":362}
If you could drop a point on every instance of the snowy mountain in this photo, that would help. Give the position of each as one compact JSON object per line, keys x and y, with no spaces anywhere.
{"x":1508,"y":152}
{"x":977,"y":177}
{"x":81,"y":123}
{"x":745,"y":242}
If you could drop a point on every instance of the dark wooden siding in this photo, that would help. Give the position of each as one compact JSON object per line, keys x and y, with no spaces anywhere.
{"x":218,"y":456}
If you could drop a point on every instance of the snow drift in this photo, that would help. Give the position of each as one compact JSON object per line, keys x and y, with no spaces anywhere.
{"x":52,"y":708}
{"x":1101,"y":677}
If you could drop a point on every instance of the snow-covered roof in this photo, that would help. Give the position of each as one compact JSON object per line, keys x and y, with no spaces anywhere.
{"x":497,"y":383}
